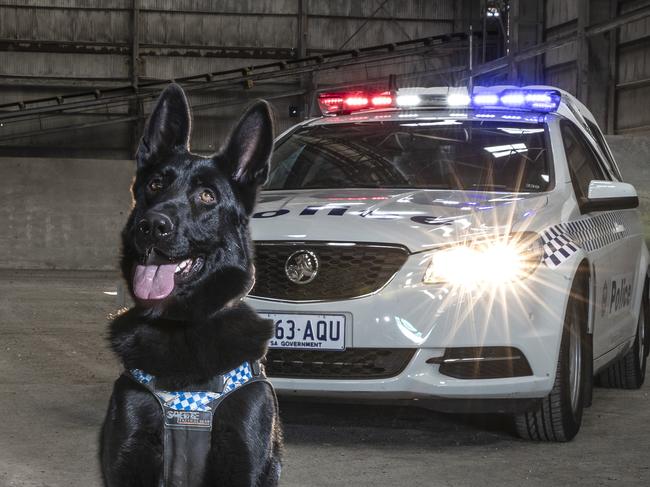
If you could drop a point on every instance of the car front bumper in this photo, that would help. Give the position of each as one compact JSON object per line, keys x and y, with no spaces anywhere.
{"x":407,"y":313}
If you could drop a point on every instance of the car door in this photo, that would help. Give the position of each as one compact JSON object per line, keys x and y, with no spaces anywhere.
{"x":606,"y":237}
{"x":631,"y":224}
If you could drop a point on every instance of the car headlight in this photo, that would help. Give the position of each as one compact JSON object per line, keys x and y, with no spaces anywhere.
{"x":486,"y":261}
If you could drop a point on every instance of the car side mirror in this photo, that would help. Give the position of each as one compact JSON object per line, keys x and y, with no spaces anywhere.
{"x":610,"y":195}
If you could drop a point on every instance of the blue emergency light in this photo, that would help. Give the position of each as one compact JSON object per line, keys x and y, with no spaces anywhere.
{"x":539,"y":100}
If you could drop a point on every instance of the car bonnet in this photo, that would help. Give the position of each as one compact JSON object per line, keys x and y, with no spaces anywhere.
{"x":417,"y":219}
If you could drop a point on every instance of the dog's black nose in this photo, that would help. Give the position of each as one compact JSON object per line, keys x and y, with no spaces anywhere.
{"x":155,"y":226}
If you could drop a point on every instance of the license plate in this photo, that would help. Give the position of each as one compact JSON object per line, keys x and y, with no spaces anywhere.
{"x":307,"y":332}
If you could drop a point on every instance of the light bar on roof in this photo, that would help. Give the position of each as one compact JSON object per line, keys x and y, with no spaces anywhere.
{"x":529,"y":99}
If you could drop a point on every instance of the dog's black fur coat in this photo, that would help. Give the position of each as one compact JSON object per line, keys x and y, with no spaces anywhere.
{"x":202,"y":328}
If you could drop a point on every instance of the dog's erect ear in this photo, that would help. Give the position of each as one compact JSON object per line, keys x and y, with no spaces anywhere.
{"x":168,"y":127}
{"x":249,"y":146}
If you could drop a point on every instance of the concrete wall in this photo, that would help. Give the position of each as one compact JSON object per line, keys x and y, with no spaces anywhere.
{"x":67,"y":213}
{"x":62,"y":213}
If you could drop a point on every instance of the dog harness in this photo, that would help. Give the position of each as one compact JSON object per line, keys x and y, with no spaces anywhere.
{"x":188,"y":418}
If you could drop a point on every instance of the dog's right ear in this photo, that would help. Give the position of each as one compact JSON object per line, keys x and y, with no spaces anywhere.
{"x":168,"y":127}
{"x":248,"y":151}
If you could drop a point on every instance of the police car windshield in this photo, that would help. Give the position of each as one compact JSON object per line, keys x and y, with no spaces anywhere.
{"x":440,"y":154}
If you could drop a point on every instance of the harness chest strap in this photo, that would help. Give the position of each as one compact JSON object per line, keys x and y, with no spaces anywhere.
{"x":188,"y":418}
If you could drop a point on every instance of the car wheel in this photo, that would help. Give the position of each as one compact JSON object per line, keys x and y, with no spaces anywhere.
{"x":628,"y":372}
{"x":559,"y":415}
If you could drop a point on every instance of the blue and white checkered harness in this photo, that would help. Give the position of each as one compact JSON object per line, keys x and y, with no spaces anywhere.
{"x":197,"y":400}
{"x":187,"y":420}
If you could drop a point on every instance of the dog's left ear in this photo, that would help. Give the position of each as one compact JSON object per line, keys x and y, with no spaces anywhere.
{"x":248,"y":150}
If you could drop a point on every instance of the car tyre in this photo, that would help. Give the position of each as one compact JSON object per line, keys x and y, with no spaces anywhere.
{"x":628,"y":372}
{"x":559,"y":415}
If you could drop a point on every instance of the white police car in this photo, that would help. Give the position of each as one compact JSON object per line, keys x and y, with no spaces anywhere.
{"x":473,"y":252}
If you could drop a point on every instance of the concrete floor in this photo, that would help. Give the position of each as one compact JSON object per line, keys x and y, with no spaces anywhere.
{"x":56,"y":375}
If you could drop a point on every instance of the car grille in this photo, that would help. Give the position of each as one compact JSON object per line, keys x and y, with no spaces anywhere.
{"x":353,"y":363}
{"x":345,"y":271}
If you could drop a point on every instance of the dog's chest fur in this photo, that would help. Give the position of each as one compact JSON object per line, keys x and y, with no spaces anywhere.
{"x":182,"y":354}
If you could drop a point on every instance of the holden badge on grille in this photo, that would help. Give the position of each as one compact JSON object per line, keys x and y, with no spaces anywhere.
{"x":302,"y":267}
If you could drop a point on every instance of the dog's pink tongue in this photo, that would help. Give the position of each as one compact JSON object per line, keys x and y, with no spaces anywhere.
{"x":153,"y":281}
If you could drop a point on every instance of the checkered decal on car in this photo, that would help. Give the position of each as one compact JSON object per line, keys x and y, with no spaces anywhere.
{"x":557,"y":247}
{"x":589,"y":233}
{"x":593,"y":233}
{"x":197,"y":400}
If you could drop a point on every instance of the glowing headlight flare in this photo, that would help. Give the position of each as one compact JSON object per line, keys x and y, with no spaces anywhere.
{"x":503,"y":262}
{"x":492,"y":262}
{"x":456,"y":265}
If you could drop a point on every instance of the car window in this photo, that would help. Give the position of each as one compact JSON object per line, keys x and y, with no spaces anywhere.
{"x":583,"y":165}
{"x":437,"y":154}
{"x":604,"y":148}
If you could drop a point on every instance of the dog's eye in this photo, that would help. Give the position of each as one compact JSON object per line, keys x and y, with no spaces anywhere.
{"x":156,"y":184}
{"x":207,"y":196}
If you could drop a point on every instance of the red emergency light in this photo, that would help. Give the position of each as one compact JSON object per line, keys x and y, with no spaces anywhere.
{"x":333,"y":103}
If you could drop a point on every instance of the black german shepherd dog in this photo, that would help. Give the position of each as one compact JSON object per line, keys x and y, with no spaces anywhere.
{"x":187,"y":259}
